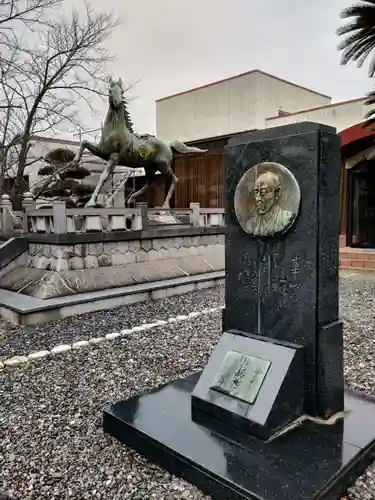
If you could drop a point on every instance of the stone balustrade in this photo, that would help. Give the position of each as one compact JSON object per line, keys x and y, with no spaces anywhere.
{"x":61,"y":220}
{"x":211,"y":217}
{"x":12,"y":222}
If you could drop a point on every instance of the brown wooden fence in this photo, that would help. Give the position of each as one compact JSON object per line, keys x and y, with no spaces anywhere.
{"x":201,"y":176}
{"x":201,"y":180}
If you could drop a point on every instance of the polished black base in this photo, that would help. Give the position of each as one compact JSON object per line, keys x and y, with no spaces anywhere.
{"x":311,"y":462}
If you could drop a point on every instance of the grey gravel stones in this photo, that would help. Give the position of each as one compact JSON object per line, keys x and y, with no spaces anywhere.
{"x":357,"y":302}
{"x":50,"y":424}
{"x":16,"y":340}
{"x":52,"y":444}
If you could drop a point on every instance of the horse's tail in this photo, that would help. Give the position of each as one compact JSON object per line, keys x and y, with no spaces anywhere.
{"x":180,"y":147}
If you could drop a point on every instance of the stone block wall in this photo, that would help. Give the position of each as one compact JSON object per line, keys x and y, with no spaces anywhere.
{"x":105,"y":254}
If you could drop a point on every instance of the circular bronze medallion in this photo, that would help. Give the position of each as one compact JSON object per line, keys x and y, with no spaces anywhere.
{"x":267,"y":200}
{"x":143,"y":151}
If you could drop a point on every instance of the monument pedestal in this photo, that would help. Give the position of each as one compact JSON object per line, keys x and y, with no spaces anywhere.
{"x":268,"y":418}
{"x":311,"y":461}
{"x":252,"y":383}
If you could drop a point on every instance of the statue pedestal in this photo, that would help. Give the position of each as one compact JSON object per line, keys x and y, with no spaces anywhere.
{"x":309,"y":462}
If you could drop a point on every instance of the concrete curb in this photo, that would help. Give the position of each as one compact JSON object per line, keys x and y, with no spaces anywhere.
{"x":26,"y":311}
{"x":81,"y":344}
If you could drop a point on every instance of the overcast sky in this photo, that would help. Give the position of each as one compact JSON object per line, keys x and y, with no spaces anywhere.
{"x":174,"y":45}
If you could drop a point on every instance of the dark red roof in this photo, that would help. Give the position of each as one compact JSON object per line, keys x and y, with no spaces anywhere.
{"x":354,"y":133}
{"x":355,"y":139}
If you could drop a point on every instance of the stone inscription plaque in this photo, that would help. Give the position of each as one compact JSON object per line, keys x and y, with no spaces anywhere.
{"x":241,"y":376}
{"x":267,"y":200}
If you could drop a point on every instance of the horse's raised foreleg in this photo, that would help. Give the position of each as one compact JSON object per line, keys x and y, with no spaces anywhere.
{"x":93,"y":148}
{"x":108,"y":169}
{"x":171,"y":189}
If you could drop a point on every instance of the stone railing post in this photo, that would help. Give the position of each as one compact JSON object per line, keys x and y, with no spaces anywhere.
{"x":59,"y":217}
{"x":194,"y":214}
{"x":6,"y":217}
{"x":143,"y":206}
{"x":28,"y":203}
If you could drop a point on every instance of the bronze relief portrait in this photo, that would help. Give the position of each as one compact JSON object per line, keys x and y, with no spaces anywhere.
{"x":267,"y":200}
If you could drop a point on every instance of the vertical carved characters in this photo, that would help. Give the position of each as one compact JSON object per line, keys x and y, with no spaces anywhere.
{"x":267,"y":200}
{"x":241,"y":376}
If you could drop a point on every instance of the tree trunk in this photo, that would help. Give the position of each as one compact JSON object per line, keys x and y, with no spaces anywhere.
{"x":3,"y":160}
{"x":19,"y":185}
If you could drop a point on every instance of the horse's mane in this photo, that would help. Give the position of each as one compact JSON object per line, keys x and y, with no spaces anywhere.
{"x":128,"y":120}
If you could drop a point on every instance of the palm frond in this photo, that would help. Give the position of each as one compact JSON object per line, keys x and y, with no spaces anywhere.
{"x":370,"y":98}
{"x":370,"y":114}
{"x":369,"y":117}
{"x":366,"y":52}
{"x":369,"y":124}
{"x":359,"y":42}
{"x":358,"y":51}
{"x":362,"y":10}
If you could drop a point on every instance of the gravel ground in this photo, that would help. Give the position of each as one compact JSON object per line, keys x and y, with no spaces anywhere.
{"x":51,"y":442}
{"x":18,"y":340}
{"x":50,"y":422}
{"x":357,"y":308}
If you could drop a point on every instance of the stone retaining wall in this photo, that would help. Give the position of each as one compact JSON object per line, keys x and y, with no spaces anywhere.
{"x":104,"y":254}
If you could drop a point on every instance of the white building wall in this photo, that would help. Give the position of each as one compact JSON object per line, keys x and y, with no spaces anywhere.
{"x":340,"y":115}
{"x":230,"y":106}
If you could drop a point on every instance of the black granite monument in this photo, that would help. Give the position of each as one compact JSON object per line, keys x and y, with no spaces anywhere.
{"x":268,"y":418}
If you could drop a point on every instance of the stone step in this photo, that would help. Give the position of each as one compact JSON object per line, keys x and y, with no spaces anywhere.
{"x":351,"y":258}
{"x":345,"y":267}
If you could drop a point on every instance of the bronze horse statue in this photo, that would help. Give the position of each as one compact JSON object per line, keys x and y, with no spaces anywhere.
{"x":119,"y":146}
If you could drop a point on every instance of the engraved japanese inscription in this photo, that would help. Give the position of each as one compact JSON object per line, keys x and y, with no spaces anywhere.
{"x":241,"y":376}
{"x":267,"y":200}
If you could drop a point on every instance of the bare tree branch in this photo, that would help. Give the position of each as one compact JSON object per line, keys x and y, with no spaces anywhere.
{"x":43,"y":85}
{"x":28,"y":12}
